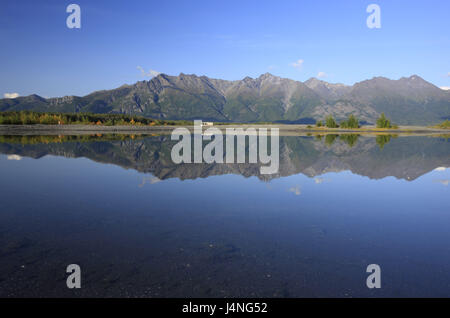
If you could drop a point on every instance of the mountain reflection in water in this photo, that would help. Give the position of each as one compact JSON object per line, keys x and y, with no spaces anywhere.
{"x":375,"y":157}
{"x":141,"y":226}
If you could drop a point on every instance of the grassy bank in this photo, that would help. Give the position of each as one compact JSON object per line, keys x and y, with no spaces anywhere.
{"x":38,"y":118}
{"x":28,"y":122}
{"x":444,"y":125}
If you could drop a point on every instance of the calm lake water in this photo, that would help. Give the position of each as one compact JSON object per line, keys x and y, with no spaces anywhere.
{"x":140,"y":225}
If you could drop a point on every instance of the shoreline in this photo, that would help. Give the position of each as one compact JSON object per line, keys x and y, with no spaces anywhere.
{"x":290,"y":129}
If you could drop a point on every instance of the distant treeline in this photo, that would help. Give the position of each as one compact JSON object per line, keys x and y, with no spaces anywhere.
{"x":26,"y":117}
{"x":47,"y":139}
{"x":445,"y":124}
{"x":352,"y":122}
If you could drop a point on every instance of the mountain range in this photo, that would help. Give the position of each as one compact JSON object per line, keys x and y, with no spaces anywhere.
{"x":406,"y":101}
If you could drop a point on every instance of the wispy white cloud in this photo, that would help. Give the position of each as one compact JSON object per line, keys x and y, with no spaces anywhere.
{"x":298,"y":64}
{"x":444,"y":182}
{"x":445,"y":88}
{"x":150,"y":73}
{"x":295,"y":190}
{"x":154,"y":73}
{"x":11,"y":95}
{"x":321,"y":74}
{"x":440,"y":169}
{"x":150,"y":180}
{"x":318,"y":180}
{"x":14,"y":157}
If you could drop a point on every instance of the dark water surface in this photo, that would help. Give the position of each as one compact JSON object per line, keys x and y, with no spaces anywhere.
{"x":139,"y":225}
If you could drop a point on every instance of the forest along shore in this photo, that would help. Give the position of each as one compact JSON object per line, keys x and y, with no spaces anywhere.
{"x":129,"y":129}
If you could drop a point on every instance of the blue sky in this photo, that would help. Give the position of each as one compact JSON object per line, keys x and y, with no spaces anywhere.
{"x":220,"y":39}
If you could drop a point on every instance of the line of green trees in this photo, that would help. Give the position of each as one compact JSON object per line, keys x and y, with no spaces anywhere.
{"x":330,"y":122}
{"x":352,"y":122}
{"x":383,"y":122}
{"x":33,"y":118}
